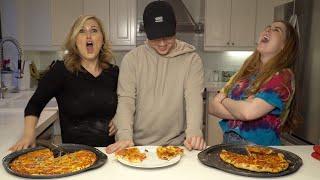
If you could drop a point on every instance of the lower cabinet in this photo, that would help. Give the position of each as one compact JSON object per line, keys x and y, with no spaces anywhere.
{"x":214,"y":132}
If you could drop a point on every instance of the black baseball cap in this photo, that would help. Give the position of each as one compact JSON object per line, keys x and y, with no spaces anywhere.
{"x":159,"y":20}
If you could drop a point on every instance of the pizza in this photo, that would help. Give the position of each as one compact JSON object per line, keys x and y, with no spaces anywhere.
{"x":257,"y":160}
{"x":131,"y":154}
{"x":42,"y":162}
{"x":168,"y":152}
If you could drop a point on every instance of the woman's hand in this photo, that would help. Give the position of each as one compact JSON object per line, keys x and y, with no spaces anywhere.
{"x":24,"y":143}
{"x":112,"y":128}
{"x":220,"y":97}
{"x":118,"y":146}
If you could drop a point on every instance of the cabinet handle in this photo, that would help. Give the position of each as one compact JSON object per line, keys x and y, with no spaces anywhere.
{"x":228,"y":43}
{"x":232,"y":44}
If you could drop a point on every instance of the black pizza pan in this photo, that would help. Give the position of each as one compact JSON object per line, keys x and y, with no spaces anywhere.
{"x":211,"y":158}
{"x":101,"y":160}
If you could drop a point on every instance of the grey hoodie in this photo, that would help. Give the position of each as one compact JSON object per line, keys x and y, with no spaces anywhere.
{"x":160,"y":101}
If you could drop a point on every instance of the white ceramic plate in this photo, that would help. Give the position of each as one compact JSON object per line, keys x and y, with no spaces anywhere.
{"x":152,"y":160}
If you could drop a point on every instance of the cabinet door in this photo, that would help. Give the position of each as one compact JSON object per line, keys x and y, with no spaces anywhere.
{"x":217,"y":22}
{"x":37,"y":25}
{"x":64,"y":13}
{"x":99,"y":8}
{"x":123,"y":23}
{"x":265,"y":12}
{"x":215,"y":134}
{"x":243,"y":23}
{"x":11,"y":12}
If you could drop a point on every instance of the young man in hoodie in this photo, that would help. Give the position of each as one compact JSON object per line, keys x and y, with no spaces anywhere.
{"x":159,"y":88}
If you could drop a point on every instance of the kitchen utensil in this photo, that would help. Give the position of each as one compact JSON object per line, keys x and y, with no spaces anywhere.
{"x":56,"y":149}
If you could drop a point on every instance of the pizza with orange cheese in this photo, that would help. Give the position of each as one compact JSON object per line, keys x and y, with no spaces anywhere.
{"x":131,"y":154}
{"x":258,"y":159}
{"x":168,"y":152}
{"x":42,"y":162}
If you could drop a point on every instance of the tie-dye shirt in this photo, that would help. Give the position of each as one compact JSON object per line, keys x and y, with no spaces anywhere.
{"x":278,"y":91}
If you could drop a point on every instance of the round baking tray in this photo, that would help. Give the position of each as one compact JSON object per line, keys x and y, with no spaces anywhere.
{"x":101,"y":160}
{"x":210,"y":157}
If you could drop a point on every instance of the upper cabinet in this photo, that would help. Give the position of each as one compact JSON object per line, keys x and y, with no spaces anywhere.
{"x":64,"y":14}
{"x":99,"y":8}
{"x":118,"y":17}
{"x":36,"y":25}
{"x":123,"y":21}
{"x":230,"y":25}
{"x":265,"y":11}
{"x":44,"y":24}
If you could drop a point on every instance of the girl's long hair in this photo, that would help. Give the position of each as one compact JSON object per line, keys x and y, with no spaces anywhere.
{"x":72,"y":58}
{"x":285,"y":59}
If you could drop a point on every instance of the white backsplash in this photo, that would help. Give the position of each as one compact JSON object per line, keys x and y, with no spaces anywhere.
{"x":212,"y":61}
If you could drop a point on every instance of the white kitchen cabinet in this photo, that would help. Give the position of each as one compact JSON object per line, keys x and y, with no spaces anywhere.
{"x":215,"y":134}
{"x":123,"y":24}
{"x":45,"y":24}
{"x":117,"y":16}
{"x":64,"y":13}
{"x":265,"y":11}
{"x":36,"y":25}
{"x":229,"y":25}
{"x":99,"y":8}
{"x":11,"y":12}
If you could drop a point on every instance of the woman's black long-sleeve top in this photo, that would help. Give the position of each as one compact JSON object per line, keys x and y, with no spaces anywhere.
{"x":86,"y":103}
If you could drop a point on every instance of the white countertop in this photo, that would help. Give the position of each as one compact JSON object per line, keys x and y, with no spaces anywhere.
{"x":189,"y":168}
{"x":12,"y":123}
{"x":12,"y":117}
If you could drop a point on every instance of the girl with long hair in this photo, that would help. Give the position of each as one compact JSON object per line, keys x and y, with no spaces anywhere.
{"x":259,"y":100}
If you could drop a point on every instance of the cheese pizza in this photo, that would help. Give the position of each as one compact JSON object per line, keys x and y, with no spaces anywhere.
{"x":258,"y":160}
{"x":42,"y":162}
{"x":131,"y":154}
{"x":258,"y":150}
{"x":168,"y":152}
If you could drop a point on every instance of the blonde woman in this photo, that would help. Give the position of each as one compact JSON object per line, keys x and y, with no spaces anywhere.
{"x":259,"y":100}
{"x":84,"y":85}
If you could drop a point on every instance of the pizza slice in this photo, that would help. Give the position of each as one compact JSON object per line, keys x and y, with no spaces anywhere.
{"x":168,"y":152}
{"x":258,"y":150}
{"x":131,"y":154}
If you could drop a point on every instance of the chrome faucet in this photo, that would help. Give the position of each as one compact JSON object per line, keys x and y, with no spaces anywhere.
{"x":17,"y":45}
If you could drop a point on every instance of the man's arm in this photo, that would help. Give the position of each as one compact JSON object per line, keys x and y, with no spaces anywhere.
{"x":194,"y":105}
{"x":126,"y":105}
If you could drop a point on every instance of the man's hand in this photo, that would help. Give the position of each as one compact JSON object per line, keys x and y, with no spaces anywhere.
{"x":195,"y":142}
{"x":112,"y":128}
{"x":118,"y":146}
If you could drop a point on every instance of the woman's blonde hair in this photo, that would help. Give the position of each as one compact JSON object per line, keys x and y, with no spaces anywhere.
{"x":72,"y":58}
{"x":286,"y":58}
